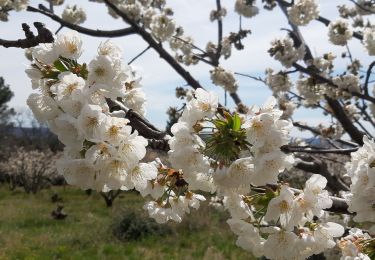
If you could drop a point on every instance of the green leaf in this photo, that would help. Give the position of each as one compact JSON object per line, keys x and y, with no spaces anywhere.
{"x":60,"y":65}
{"x":236,"y":122}
{"x":83,"y":70}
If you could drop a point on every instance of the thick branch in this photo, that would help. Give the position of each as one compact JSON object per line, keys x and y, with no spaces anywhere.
{"x":44,"y":36}
{"x":91,"y":32}
{"x":137,"y":122}
{"x":219,"y":32}
{"x":333,"y":182}
{"x":291,"y":149}
{"x":345,"y":121}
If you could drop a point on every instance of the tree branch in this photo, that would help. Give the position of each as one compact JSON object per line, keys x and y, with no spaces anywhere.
{"x":219,"y":32}
{"x":320,"y":167}
{"x":139,"y":55}
{"x":326,"y":22}
{"x":96,"y":33}
{"x":345,"y":121}
{"x":362,"y":7}
{"x":163,"y":53}
{"x":44,"y":36}
{"x":291,"y":149}
{"x":368,"y":75}
{"x":323,"y":20}
{"x":137,"y":122}
{"x":337,"y":109}
{"x":330,"y":82}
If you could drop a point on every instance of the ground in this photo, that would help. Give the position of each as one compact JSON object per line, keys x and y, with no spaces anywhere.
{"x":27,"y":231}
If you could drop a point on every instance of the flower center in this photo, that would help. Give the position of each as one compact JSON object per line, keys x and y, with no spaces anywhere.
{"x":100,"y":72}
{"x":113,"y":131}
{"x":72,"y":47}
{"x":91,"y":122}
{"x":284,"y":206}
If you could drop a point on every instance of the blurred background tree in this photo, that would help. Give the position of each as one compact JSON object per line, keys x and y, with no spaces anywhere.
{"x":5,"y":112}
{"x":5,"y":96}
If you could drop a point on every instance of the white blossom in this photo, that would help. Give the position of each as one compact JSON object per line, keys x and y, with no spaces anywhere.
{"x":109,"y":48}
{"x":74,"y":14}
{"x":303,"y":12}
{"x":369,"y":40}
{"x":248,"y":236}
{"x":281,"y":207}
{"x":69,"y":45}
{"x":162,"y":27}
{"x":69,"y":86}
{"x":139,"y":176}
{"x":350,"y":245}
{"x":224,"y":78}
{"x":284,"y":51}
{"x":90,"y":122}
{"x":101,"y":70}
{"x":278,"y":82}
{"x":44,"y":107}
{"x":45,"y":53}
{"x":281,"y":245}
{"x":339,"y":32}
{"x":246,"y":8}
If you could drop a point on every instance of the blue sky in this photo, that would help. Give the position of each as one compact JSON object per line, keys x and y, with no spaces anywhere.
{"x":159,"y":80}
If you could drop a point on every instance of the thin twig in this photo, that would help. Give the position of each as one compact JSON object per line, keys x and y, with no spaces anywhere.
{"x":368,"y":75}
{"x":139,"y":55}
{"x":251,"y":77}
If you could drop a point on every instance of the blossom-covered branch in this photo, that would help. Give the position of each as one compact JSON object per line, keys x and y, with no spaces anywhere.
{"x":162,"y":52}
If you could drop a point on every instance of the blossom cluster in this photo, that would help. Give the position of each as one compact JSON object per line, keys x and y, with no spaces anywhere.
{"x":278,"y":82}
{"x":246,"y":8}
{"x":369,"y":40}
{"x":8,"y":5}
{"x":101,"y":150}
{"x":361,"y":171}
{"x":74,"y":14}
{"x":286,"y":209}
{"x":303,"y":12}
{"x":224,"y":78}
{"x":293,"y":212}
{"x":285,"y":51}
{"x":339,"y":32}
{"x":353,"y":244}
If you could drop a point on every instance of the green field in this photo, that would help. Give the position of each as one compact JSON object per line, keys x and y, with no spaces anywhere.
{"x":27,"y":231}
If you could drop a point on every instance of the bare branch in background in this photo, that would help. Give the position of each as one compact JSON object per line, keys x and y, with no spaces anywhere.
{"x":296,"y":149}
{"x":91,"y":32}
{"x":320,"y":167}
{"x":44,"y":36}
